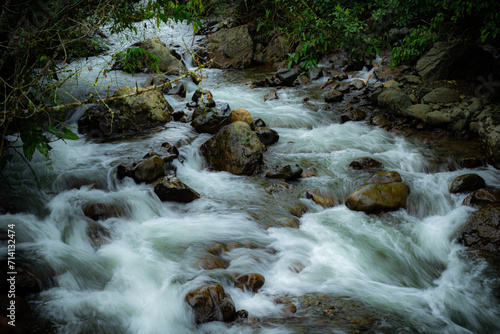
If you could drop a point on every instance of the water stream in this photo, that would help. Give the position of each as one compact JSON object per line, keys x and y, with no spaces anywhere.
{"x":405,"y":266}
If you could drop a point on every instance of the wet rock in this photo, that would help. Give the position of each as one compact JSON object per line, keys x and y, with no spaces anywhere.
{"x":212,"y":263}
{"x":203,"y":98}
{"x":76,"y":182}
{"x":353,"y":115}
{"x":149,"y":170}
{"x":132,"y":114}
{"x":325,"y":198}
{"x":394,"y":100}
{"x":179,"y":89}
{"x":442,"y":95}
{"x":101,"y":211}
{"x":482,"y":196}
{"x":169,"y":152}
{"x":381,"y":121}
{"x":287,"y":77}
{"x":170,"y":188}
{"x":97,"y":234}
{"x":366,"y":163}
{"x":472,"y":162}
{"x":209,"y":120}
{"x":286,"y":173}
{"x":378,"y":197}
{"x":418,"y":111}
{"x":272,"y":95}
{"x":333,"y":96}
{"x":258,"y":122}
{"x":231,"y":48}
{"x":235,"y":149}
{"x":482,"y":231}
{"x":467,"y":183}
{"x":167,"y":63}
{"x":241,"y":115}
{"x":250,"y":282}
{"x":211,"y":303}
{"x":358,"y":84}
{"x":386,"y":73}
{"x":385,"y":177}
{"x":267,"y":136}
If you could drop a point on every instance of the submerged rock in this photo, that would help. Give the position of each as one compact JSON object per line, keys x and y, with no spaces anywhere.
{"x":325,"y":198}
{"x":385,"y":177}
{"x":235,"y":149}
{"x":211,"y":303}
{"x":102,"y":211}
{"x":250,"y":282}
{"x":378,"y":197}
{"x":366,"y":163}
{"x":170,"y":188}
{"x":286,"y":173}
{"x":467,"y":183}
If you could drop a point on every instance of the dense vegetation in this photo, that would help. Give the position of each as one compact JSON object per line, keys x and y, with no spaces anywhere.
{"x":38,"y":38}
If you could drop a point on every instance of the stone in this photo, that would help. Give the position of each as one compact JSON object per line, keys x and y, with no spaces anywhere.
{"x":267,"y":136}
{"x":391,"y":84}
{"x":212,"y":262}
{"x":466,"y":183}
{"x":272,"y":95}
{"x":287,"y":77}
{"x":442,"y":95}
{"x":277,"y":50}
{"x":482,"y":196}
{"x":357,"y":84}
{"x":418,"y":111}
{"x":179,"y":90}
{"x":211,"y":303}
{"x":353,"y":115}
{"x":258,"y":122}
{"x":482,"y":230}
{"x":394,"y":100}
{"x":385,"y":177}
{"x":325,"y":198}
{"x":97,"y":234}
{"x":333,"y":96}
{"x":235,"y":149}
{"x":381,"y":121}
{"x":412,"y":79}
{"x":366,"y":163}
{"x":102,"y":211}
{"x":385,"y":73}
{"x":378,"y":197}
{"x":438,"y":118}
{"x":231,"y":48}
{"x":149,"y":170}
{"x":489,"y":133}
{"x":241,"y":115}
{"x":250,"y":282}
{"x":209,"y":120}
{"x":170,"y":188}
{"x":286,"y":173}
{"x":203,"y":98}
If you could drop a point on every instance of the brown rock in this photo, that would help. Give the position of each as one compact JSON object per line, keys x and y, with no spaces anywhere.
{"x":250,"y":282}
{"x":149,"y":170}
{"x":366,"y":163}
{"x":272,"y":95}
{"x":466,"y":183}
{"x":333,"y":96}
{"x":240,"y":115}
{"x":325,"y":198}
{"x":101,"y":211}
{"x":381,"y":121}
{"x":211,"y":303}
{"x":482,"y":196}
{"x":482,"y":231}
{"x":170,"y":188}
{"x":212,"y":262}
{"x":377,"y":197}
{"x":353,"y":115}
{"x":385,"y":177}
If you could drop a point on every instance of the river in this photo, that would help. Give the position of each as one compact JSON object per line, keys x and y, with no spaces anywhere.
{"x":404,"y":267}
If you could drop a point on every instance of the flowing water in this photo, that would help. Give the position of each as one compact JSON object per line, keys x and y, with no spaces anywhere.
{"x":404,"y":266}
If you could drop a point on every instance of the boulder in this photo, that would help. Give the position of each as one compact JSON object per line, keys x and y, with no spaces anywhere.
{"x":203,"y":98}
{"x":209,"y":120}
{"x":325,"y":198}
{"x":250,"y":282}
{"x":231,"y":48}
{"x":489,"y":133}
{"x":170,"y":188}
{"x":102,"y":211}
{"x":467,"y":183}
{"x":211,"y":303}
{"x":241,"y":115}
{"x":385,"y":177}
{"x":378,"y":197}
{"x":276,"y":50}
{"x":142,"y":110}
{"x":353,"y":115}
{"x":235,"y":149}
{"x":482,"y":231}
{"x":266,"y":135}
{"x":381,"y":121}
{"x":394,"y":100}
{"x":480,"y":197}
{"x":286,"y":77}
{"x":286,"y":173}
{"x":333,"y":96}
{"x":168,"y":62}
{"x":211,"y":262}
{"x":455,"y":60}
{"x":418,"y":111}
{"x":366,"y":163}
{"x":149,"y":170}
{"x":442,"y":95}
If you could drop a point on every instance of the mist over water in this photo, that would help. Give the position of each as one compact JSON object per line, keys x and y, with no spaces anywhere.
{"x":404,"y":265}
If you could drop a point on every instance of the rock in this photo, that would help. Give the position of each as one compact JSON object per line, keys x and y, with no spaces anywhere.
{"x":125,"y":116}
{"x":209,"y":120}
{"x":97,"y":234}
{"x":481,"y":197}
{"x":212,"y":262}
{"x":378,"y":197}
{"x":412,"y":80}
{"x":149,"y":170}
{"x":442,"y":95}
{"x":455,"y":60}
{"x":241,"y":115}
{"x":272,"y":95}
{"x":385,"y":177}
{"x":250,"y":282}
{"x":167,"y":63}
{"x":101,"y":211}
{"x":357,"y":83}
{"x":489,"y":133}
{"x":267,"y":136}
{"x":482,"y":231}
{"x":467,"y":183}
{"x":333,"y":96}
{"x":203,"y":98}
{"x":179,"y":90}
{"x":325,"y":198}
{"x":391,"y":84}
{"x":211,"y":303}
{"x":438,"y":118}
{"x":258,"y":122}
{"x":394,"y":100}
{"x":287,"y":77}
{"x":286,"y":173}
{"x":354,"y":115}
{"x":386,"y":73}
{"x":418,"y":111}
{"x":276,"y":50}
{"x":235,"y":149}
{"x":170,"y":188}
{"x":381,"y":121}
{"x":169,"y":152}
{"x":366,"y":163}
{"x":231,"y":48}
